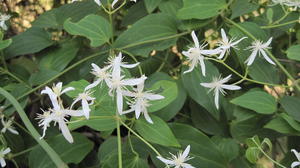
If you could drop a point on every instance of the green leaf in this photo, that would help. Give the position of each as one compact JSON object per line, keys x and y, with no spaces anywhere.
{"x":170,"y":6}
{"x":293,"y":52}
{"x":70,"y":153}
{"x":258,"y":101}
{"x":242,"y":7}
{"x":138,"y":38}
{"x":136,"y":12}
{"x":198,"y":93}
{"x":228,"y":147}
{"x":59,"y":58}
{"x":151,"y":5}
{"x":279,"y":124}
{"x":252,"y":154}
{"x":78,"y":86}
{"x":168,"y":89}
{"x":294,"y":124}
{"x":5,"y":43}
{"x":31,"y":41}
{"x":158,"y":132}
{"x":291,"y":105}
{"x":204,"y":151}
{"x":42,"y":76}
{"x":56,"y":17}
{"x":94,"y":27}
{"x":200,"y":9}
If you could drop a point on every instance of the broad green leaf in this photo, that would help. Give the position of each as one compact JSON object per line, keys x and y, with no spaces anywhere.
{"x":136,"y":12}
{"x":94,"y":27}
{"x":294,"y":124}
{"x":31,"y":41}
{"x":168,"y":89}
{"x":56,"y":17}
{"x":5,"y":43}
{"x":158,"y":132}
{"x":252,"y":154}
{"x":147,"y":34}
{"x":59,"y":58}
{"x":69,"y":153}
{"x":258,"y":101}
{"x":291,"y":105}
{"x":200,"y":9}
{"x":198,"y":93}
{"x":133,"y":161}
{"x":42,"y":76}
{"x":242,"y":7}
{"x":281,"y":125}
{"x":170,"y":6}
{"x":293,"y":52}
{"x":151,"y":5}
{"x":204,"y":151}
{"x":228,"y":147}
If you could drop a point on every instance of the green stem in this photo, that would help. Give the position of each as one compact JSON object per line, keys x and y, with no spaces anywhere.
{"x":262,"y":151}
{"x":269,"y":53}
{"x":279,"y":25}
{"x":16,"y":78}
{"x":24,"y":151}
{"x":119,"y":144}
{"x":141,"y":138}
{"x":52,"y":154}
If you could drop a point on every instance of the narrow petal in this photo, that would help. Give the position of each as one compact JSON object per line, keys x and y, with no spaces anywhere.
{"x":166,"y":161}
{"x":238,"y":41}
{"x":186,"y":165}
{"x":138,"y":109}
{"x":265,"y":45}
{"x":222,"y":54}
{"x":98,"y":2}
{"x":186,"y":151}
{"x":130,"y":65}
{"x":231,"y":87}
{"x":223,"y":34}
{"x":133,"y":82}
{"x":211,"y":52}
{"x":151,"y":96}
{"x":13,"y":131}
{"x":266,"y":56}
{"x":192,"y":66}
{"x":296,"y":154}
{"x":113,"y":3}
{"x":86,"y":109}
{"x":65,"y":131}
{"x":119,"y":100}
{"x":226,"y":79}
{"x":195,"y":39}
{"x":3,"y":163}
{"x":251,"y":59}
{"x":147,"y":117}
{"x":6,"y":151}
{"x":76,"y":113}
{"x":207,"y":85}
{"x":217,"y":98}
{"x":295,"y":164}
{"x":67,"y":89}
{"x":201,"y":59}
{"x":74,"y":102}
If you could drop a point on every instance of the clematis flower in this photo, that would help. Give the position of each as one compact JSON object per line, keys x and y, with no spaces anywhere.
{"x":218,"y":86}
{"x":141,"y":101}
{"x":3,"y":152}
{"x":225,"y":44}
{"x":116,"y":64}
{"x":3,"y":19}
{"x":178,"y":161}
{"x":118,"y":85}
{"x":296,"y":163}
{"x":58,"y":113}
{"x":101,"y":74}
{"x":258,"y":47}
{"x":86,"y":101}
{"x":195,"y":55}
{"x":7,"y":125}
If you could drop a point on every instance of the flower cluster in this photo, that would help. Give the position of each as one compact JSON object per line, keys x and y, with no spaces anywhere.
{"x":7,"y":125}
{"x":290,"y":3}
{"x":113,"y":76}
{"x":196,"y":55}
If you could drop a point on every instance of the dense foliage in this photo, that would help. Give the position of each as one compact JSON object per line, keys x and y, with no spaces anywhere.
{"x":152,"y":83}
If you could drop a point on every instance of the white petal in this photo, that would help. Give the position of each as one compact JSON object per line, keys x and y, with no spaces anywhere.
{"x":192,"y":66}
{"x":166,"y":161}
{"x":265,"y":45}
{"x":222,"y":54}
{"x":226,"y":79}
{"x":266,"y":56}
{"x":130,"y":65}
{"x":113,"y":3}
{"x":76,"y":113}
{"x":98,"y":2}
{"x":67,"y":89}
{"x":65,"y":131}
{"x":74,"y":102}
{"x":207,"y":85}
{"x":186,"y":151}
{"x":211,"y":52}
{"x":201,"y":59}
{"x":6,"y":151}
{"x":151,"y":96}
{"x":223,"y":34}
{"x":86,"y":109}
{"x":147,"y":117}
{"x":195,"y":39}
{"x":133,"y":82}
{"x":251,"y":59}
{"x":119,"y":100}
{"x":186,"y":165}
{"x":13,"y":131}
{"x":231,"y":87}
{"x":295,"y":164}
{"x":138,"y":109}
{"x":296,"y":154}
{"x":217,"y":98}
{"x":3,"y":163}
{"x":238,"y":41}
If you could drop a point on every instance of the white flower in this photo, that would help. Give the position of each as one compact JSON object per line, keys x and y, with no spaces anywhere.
{"x":116,"y":64}
{"x":225,"y":44}
{"x":58,"y":113}
{"x":195,"y":55}
{"x":7,"y":125}
{"x":218,"y":86}
{"x":86,"y":101}
{"x":141,"y":101}
{"x":258,"y":47}
{"x":3,"y":152}
{"x":296,"y":163}
{"x":178,"y":161}
{"x":290,"y":3}
{"x":115,"y":1}
{"x":118,"y":84}
{"x":98,"y":2}
{"x":101,"y":74}
{"x":3,"y":19}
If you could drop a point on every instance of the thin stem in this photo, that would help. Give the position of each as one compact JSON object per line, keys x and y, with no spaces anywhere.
{"x":163,"y":62}
{"x":24,"y":151}
{"x":3,"y":60}
{"x":119,"y":144}
{"x":269,"y":53}
{"x":141,"y":138}
{"x":262,"y":151}
{"x":52,"y":154}
{"x":16,"y":78}
{"x":279,"y":25}
{"x":15,"y":163}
